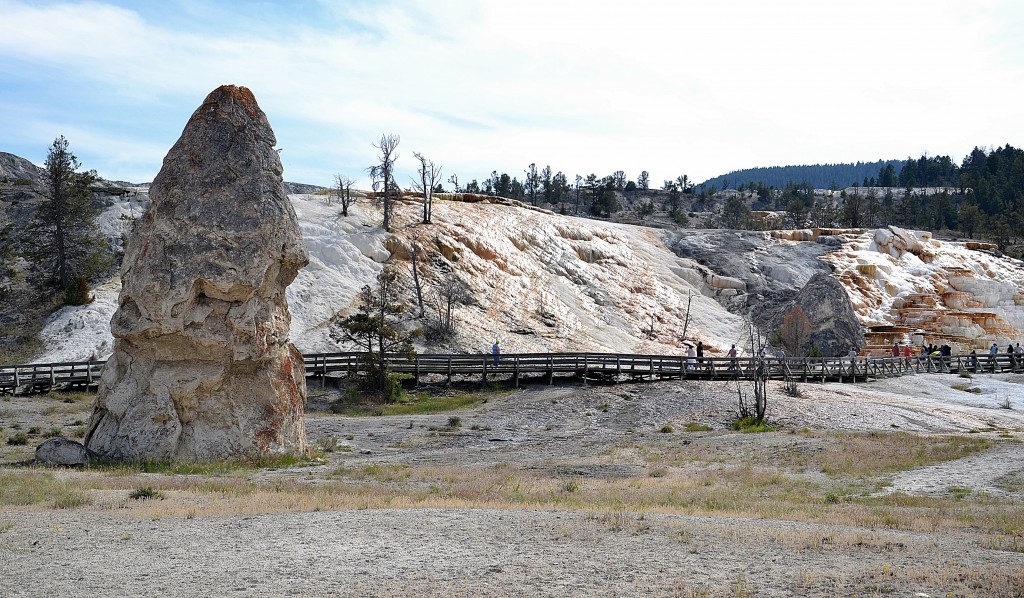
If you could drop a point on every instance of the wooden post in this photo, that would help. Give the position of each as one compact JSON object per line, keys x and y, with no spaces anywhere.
{"x":416,"y":373}
{"x":483,"y":382}
{"x":449,"y":370}
{"x":515,"y":375}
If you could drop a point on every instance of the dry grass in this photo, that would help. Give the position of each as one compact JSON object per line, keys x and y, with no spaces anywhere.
{"x":723,"y":489}
{"x":951,"y":579}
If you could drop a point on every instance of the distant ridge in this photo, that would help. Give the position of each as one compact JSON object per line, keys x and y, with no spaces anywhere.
{"x":819,"y":176}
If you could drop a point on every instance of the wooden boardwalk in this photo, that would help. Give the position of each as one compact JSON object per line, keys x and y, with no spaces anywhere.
{"x":32,"y":378}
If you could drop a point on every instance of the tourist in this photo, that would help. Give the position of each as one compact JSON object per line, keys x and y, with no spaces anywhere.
{"x":974,"y":360}
{"x":895,"y":349}
{"x":993,"y":351}
{"x":700,"y":352}
{"x":496,"y":350}
{"x":691,"y":355}
{"x":732,"y":355}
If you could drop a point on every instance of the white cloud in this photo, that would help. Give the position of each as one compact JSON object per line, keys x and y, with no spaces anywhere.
{"x":671,"y":87}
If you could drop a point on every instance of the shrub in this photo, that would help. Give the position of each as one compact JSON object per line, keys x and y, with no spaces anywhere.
{"x":696,"y":427}
{"x":18,"y":439}
{"x":77,"y":292}
{"x":666,"y":429}
{"x":454,"y":421}
{"x":53,"y":432}
{"x":145,"y":493}
{"x":751,"y":424}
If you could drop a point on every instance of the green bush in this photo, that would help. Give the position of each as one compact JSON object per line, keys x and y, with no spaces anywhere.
{"x":696,"y":427}
{"x":77,"y":292}
{"x":751,"y":424}
{"x":145,"y":493}
{"x":18,"y":439}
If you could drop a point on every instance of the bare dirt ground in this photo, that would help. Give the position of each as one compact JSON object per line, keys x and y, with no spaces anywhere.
{"x":554,"y":491}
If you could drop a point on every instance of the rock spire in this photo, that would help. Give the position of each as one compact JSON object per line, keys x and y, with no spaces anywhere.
{"x":202,"y":367}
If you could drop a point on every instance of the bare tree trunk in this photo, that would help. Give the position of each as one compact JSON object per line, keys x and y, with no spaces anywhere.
{"x":416,"y":281}
{"x":388,"y":147}
{"x":430,"y":174}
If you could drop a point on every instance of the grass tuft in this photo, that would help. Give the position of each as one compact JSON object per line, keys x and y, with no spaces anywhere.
{"x":751,"y":425}
{"x":145,"y":493}
{"x":19,"y":439}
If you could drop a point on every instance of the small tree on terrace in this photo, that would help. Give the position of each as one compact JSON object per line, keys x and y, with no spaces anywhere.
{"x":796,"y":331}
{"x":736,"y":213}
{"x":451,"y":291}
{"x":343,"y":188}
{"x":383,"y":175}
{"x":376,"y":327}
{"x":429,"y":176}
{"x":62,"y":239}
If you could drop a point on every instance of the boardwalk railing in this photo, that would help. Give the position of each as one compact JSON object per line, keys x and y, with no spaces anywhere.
{"x":44,"y":376}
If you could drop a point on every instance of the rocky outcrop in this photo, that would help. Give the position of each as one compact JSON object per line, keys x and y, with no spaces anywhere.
{"x":202,"y":366}
{"x":15,"y":168}
{"x":834,"y":325}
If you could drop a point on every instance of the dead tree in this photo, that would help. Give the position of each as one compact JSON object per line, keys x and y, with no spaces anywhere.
{"x":759,"y":377}
{"x":383,"y":175}
{"x":343,"y":188}
{"x":450,"y":292}
{"x":795,"y":331}
{"x":416,"y":280}
{"x":429,"y":174}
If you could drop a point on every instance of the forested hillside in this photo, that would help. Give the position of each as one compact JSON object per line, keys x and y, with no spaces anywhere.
{"x":818,"y":176}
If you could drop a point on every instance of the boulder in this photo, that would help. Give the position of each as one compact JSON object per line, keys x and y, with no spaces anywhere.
{"x":834,"y":325}
{"x":201,"y":366}
{"x":61,"y":451}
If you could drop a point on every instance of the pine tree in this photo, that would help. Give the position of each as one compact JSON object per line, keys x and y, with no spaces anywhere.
{"x":62,"y":239}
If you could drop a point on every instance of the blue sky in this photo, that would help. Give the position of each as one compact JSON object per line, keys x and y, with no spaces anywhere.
{"x":672,"y":87}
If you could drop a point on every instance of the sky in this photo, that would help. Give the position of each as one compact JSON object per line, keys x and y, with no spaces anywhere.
{"x":672,"y":87}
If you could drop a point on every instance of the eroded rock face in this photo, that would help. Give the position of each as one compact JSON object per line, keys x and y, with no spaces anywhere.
{"x":202,"y":366}
{"x":834,"y":325}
